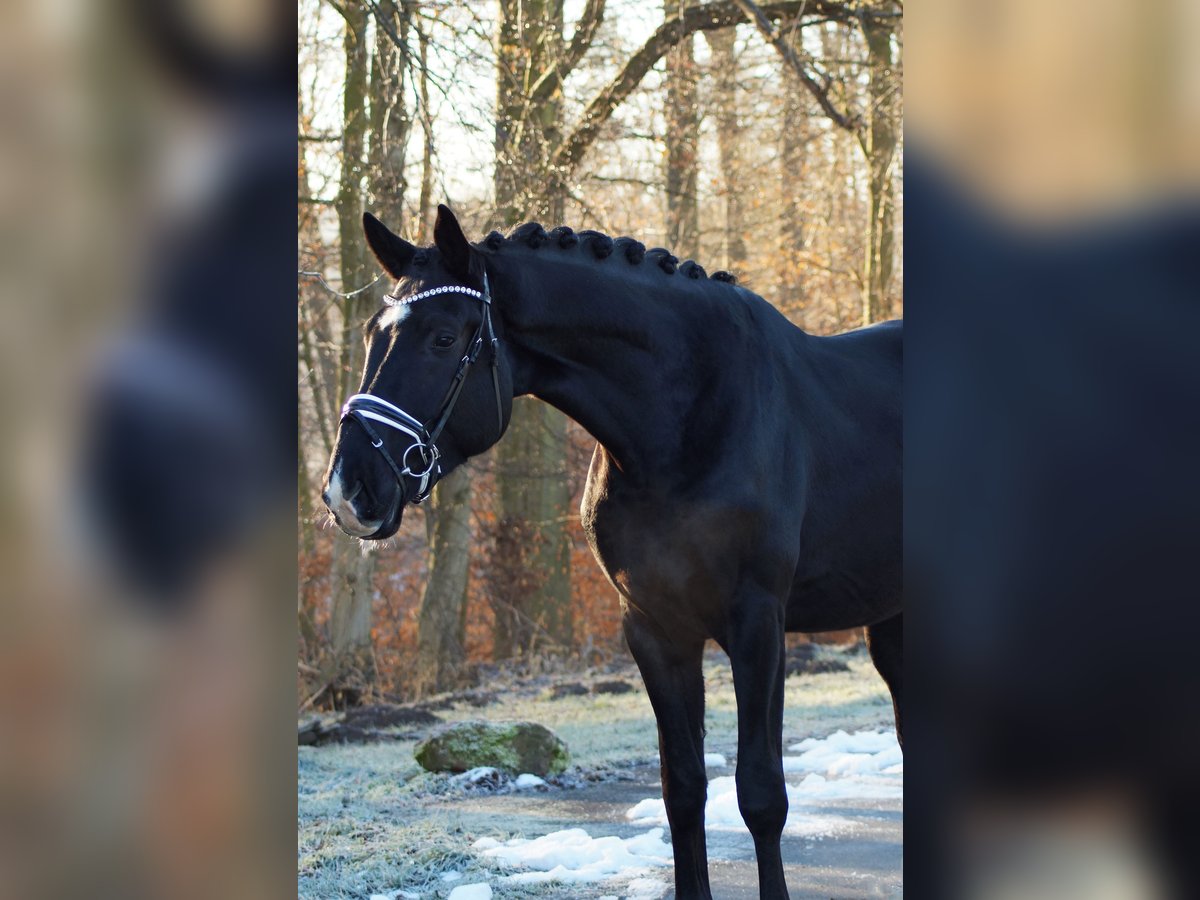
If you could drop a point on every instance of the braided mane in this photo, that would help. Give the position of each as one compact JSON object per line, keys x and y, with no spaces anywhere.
{"x":601,"y":246}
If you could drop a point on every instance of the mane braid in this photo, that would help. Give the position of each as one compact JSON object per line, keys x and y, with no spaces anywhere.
{"x":564,"y":237}
{"x":664,"y":259}
{"x":601,"y":246}
{"x":598,"y":242}
{"x":634,"y":250}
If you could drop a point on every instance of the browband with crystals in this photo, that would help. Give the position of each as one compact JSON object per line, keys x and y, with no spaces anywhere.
{"x":393,"y":300}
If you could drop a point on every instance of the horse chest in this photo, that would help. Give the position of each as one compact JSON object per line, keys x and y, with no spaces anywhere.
{"x":678,"y":561}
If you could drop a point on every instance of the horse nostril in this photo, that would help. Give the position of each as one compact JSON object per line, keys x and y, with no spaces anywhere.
{"x":325,"y":496}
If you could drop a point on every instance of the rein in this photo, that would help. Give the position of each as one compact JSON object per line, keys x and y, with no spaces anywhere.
{"x":366,"y":408}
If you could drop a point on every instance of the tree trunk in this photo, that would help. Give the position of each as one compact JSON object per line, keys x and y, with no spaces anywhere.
{"x":880,"y":149}
{"x":351,"y":669}
{"x":683,"y":134}
{"x":391,"y":121}
{"x":792,"y":191}
{"x":725,"y":70}
{"x":425,"y":201}
{"x":351,"y":659}
{"x":530,"y":577}
{"x":532,"y":564}
{"x":441,"y":625}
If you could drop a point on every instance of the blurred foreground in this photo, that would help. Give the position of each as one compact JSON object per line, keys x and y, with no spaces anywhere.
{"x":1052,"y":429}
{"x":147,"y":188}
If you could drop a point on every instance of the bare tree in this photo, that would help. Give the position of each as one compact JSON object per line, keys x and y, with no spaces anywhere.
{"x":441,"y":655}
{"x":533,"y":59}
{"x":725,"y":102}
{"x":682,"y":139}
{"x":879,"y":145}
{"x":875,"y":131}
{"x":351,"y":660}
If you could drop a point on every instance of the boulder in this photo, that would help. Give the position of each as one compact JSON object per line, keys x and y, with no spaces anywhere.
{"x":513,"y":747}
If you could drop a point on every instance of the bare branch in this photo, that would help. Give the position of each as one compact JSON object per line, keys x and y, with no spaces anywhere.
{"x":383,"y":18}
{"x":585,"y":33}
{"x":340,"y":9}
{"x":707,"y":17}
{"x":552,"y":79}
{"x":850,"y":121}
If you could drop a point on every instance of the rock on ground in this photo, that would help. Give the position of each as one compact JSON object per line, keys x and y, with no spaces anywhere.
{"x":514,"y":747}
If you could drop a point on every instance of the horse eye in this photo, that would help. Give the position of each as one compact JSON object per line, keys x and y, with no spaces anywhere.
{"x":444,"y":340}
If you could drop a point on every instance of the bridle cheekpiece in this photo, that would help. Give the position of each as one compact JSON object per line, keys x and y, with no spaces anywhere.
{"x":425,"y":466}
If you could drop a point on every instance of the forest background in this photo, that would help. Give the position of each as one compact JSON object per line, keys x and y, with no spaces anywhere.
{"x":759,"y":138}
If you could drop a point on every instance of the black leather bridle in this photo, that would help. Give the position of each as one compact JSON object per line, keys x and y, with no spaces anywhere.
{"x":367,"y":408}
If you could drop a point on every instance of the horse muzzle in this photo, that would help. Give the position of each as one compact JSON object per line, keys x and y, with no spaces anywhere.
{"x":340,"y":498}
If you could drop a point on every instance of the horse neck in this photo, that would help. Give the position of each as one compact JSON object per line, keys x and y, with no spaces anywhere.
{"x":602,"y":344}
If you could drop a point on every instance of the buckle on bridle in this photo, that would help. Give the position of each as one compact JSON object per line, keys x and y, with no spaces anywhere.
{"x":429,"y":459}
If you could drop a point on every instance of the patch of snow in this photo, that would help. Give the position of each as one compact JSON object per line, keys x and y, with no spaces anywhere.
{"x":574,"y":856}
{"x":649,"y":810}
{"x":481,"y":778}
{"x":859,"y":742}
{"x":715,"y":761}
{"x":862,"y":766}
{"x":817,"y":787}
{"x":471,"y":892}
{"x":478,"y":774}
{"x":451,"y":876}
{"x":525,"y":781}
{"x":397,"y":895}
{"x":646,"y":889}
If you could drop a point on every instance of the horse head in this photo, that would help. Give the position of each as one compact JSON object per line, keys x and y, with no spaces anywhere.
{"x":436,"y":387}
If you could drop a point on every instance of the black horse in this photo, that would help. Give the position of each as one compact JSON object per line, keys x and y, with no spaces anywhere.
{"x":746,"y":480}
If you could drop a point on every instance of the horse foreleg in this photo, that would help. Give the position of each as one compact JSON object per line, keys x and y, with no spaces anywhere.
{"x":885,"y":640}
{"x":675,"y":684}
{"x":755,"y":649}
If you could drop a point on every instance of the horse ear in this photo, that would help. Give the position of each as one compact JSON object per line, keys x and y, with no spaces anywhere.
{"x":448,"y":237}
{"x":393,"y":253}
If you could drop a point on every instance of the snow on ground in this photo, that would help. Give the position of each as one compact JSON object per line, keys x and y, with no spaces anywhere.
{"x":861,"y":753}
{"x":646,"y":889}
{"x":573,"y":856}
{"x":715,"y":761}
{"x":865,"y":766}
{"x":363,"y":808}
{"x":471,"y":892}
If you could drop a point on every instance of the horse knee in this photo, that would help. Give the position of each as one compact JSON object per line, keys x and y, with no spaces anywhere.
{"x":685,"y":796}
{"x":762,"y":801}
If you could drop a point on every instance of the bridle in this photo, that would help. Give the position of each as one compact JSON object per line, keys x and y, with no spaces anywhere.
{"x":367,"y":408}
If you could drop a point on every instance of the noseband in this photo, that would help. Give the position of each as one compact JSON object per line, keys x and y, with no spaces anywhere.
{"x":367,"y":408}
